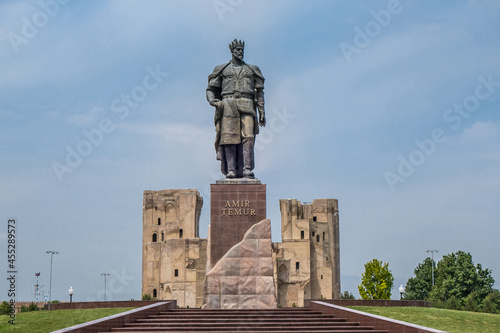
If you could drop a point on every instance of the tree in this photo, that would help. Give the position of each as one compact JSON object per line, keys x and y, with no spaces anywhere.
{"x":346,"y":295}
{"x":376,"y":281}
{"x":457,"y":276}
{"x":485,"y":281}
{"x":419,"y":287}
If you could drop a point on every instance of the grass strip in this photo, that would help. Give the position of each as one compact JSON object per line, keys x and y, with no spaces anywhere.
{"x":452,"y":321}
{"x":48,"y":321}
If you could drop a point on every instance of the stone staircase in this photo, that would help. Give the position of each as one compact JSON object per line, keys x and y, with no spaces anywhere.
{"x":297,"y":320}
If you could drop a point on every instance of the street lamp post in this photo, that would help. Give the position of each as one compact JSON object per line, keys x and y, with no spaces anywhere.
{"x":71,"y":291}
{"x":50,"y":285}
{"x":401,"y":292}
{"x":104,"y":274}
{"x":432,"y":258}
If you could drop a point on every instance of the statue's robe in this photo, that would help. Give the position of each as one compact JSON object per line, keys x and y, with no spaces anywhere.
{"x":237,"y":91}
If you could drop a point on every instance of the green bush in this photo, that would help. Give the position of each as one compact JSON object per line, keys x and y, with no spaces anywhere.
{"x":438,"y":304}
{"x":471,"y":302}
{"x":453,"y":303}
{"x":33,"y":307}
{"x":4,"y":308}
{"x":489,"y":304}
{"x":147,"y":297}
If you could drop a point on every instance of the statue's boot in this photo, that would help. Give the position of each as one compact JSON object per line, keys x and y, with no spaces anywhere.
{"x":230,"y":152}
{"x":248,"y":157}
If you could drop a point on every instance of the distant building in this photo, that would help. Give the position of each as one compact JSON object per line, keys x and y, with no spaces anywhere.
{"x":307,"y":262}
{"x":174,"y":256}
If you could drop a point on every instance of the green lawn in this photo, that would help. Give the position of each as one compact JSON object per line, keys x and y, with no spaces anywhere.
{"x":446,"y":320}
{"x":48,"y":321}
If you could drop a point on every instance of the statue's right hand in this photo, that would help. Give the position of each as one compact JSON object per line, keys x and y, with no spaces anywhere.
{"x":215,"y":103}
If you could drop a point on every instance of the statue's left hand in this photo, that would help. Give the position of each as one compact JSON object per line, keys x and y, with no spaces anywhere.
{"x":262,"y":120}
{"x":215,"y":103}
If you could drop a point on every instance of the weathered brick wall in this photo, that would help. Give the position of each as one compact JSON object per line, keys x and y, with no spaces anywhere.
{"x":97,"y":305}
{"x":375,"y":302}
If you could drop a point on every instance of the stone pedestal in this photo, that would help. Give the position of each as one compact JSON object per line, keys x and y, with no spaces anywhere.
{"x":234,"y":208}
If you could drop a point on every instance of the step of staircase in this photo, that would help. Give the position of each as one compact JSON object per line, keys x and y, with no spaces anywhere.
{"x":295,"y":320}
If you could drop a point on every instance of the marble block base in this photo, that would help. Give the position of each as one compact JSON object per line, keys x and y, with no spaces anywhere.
{"x":243,"y":277}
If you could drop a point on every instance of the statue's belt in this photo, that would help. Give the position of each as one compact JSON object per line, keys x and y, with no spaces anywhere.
{"x":238,"y":95}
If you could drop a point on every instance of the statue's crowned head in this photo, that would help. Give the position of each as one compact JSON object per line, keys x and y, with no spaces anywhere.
{"x":236,"y":43}
{"x":237,"y":47}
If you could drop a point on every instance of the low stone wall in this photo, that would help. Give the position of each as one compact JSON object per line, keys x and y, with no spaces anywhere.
{"x":367,"y":319}
{"x":120,"y":319}
{"x":98,"y":305}
{"x":376,"y":302}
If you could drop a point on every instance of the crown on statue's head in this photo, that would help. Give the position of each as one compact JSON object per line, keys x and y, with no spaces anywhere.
{"x":235,"y":43}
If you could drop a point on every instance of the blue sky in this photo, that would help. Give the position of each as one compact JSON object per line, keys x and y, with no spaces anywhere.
{"x":391,"y":107}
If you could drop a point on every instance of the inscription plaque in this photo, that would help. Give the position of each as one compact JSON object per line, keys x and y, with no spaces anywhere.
{"x":234,"y":208}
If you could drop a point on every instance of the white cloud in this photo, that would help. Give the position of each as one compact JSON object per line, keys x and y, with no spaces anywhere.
{"x":480,"y":133}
